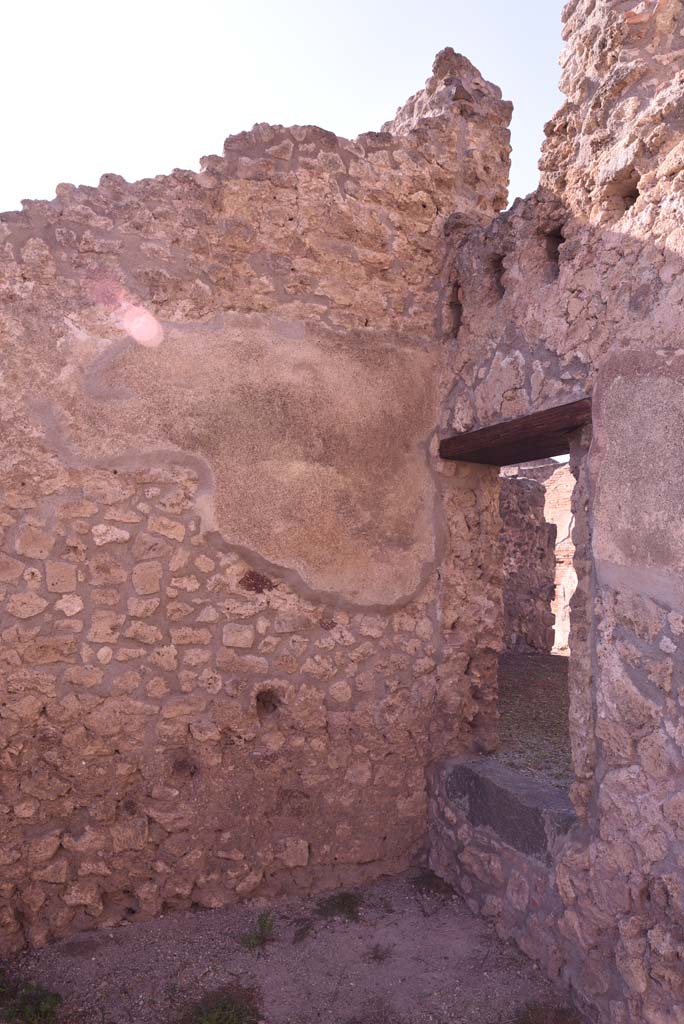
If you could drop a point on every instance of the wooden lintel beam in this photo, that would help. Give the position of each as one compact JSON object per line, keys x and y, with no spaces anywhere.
{"x":538,"y":436}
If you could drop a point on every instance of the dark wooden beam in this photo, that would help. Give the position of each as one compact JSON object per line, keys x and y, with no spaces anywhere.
{"x":538,"y":436}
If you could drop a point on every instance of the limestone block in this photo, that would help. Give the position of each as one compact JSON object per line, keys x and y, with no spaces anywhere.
{"x":129,"y":834}
{"x":10,"y":569}
{"x":294,"y":853}
{"x":144,"y":632}
{"x":32,"y":542}
{"x":182,"y":635}
{"x":26,"y":605}
{"x":69,"y":605}
{"x":48,"y":651}
{"x":107,"y":534}
{"x":60,"y":577}
{"x":105,"y":627}
{"x":238,"y":635}
{"x":170,"y":528}
{"x":142,"y":607}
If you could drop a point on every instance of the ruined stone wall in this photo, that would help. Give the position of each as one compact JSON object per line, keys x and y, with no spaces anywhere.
{"x":223,"y":667}
{"x":578,"y":291}
{"x":558,"y":483}
{"x":558,"y":510}
{"x":529,"y":566}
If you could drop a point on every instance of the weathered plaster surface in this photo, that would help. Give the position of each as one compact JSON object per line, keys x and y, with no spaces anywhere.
{"x":640,"y":448}
{"x":314,"y":442}
{"x":273,"y":316}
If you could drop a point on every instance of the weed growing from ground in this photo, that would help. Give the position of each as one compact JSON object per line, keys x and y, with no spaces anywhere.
{"x":540,"y":1014}
{"x":303,"y":928}
{"x":379,"y":953}
{"x":260,"y":936}
{"x":23,"y":1003}
{"x":225,"y":1013}
{"x":230,"y":1006}
{"x":340,"y":904}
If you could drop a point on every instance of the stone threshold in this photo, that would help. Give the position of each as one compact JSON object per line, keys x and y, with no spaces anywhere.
{"x":524,"y":813}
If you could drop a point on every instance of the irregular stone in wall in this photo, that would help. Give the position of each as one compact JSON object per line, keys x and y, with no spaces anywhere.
{"x":60,"y":577}
{"x":32,"y":542}
{"x":10,"y":569}
{"x":146,"y":577}
{"x":25,"y":605}
{"x":237,"y":635}
{"x":104,"y":534}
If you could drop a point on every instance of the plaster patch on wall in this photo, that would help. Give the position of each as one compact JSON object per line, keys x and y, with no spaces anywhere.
{"x":639,"y":453}
{"x":317,"y":445}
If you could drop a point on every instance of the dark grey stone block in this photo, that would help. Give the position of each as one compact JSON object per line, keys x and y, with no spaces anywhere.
{"x":524,"y":813}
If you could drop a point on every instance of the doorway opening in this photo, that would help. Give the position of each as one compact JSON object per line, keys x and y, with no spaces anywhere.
{"x":540,"y":458}
{"x":537,"y":522}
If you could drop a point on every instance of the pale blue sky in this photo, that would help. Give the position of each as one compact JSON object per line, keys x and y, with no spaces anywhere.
{"x":139,"y":87}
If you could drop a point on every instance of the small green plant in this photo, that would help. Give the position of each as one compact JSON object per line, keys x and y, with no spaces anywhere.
{"x":537,"y":1013}
{"x":303,"y":928}
{"x":23,"y":1003}
{"x":260,"y":936}
{"x":226,"y":1013}
{"x":235,"y":1005}
{"x":340,"y":904}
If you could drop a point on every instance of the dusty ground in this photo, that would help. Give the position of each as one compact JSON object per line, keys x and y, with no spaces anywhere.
{"x":534,"y":725}
{"x":404,"y":951}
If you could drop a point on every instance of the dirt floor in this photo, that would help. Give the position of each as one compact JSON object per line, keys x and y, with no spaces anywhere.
{"x":404,"y":951}
{"x":534,"y":726}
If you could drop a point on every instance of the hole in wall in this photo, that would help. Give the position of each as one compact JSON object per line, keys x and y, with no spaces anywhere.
{"x":630,"y":198}
{"x":131,"y":903}
{"x":553,"y":240}
{"x":267,"y":704}
{"x":624,"y":192}
{"x":256,"y":582}
{"x":455,"y":310}
{"x":630,"y":189}
{"x":498,"y":271}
